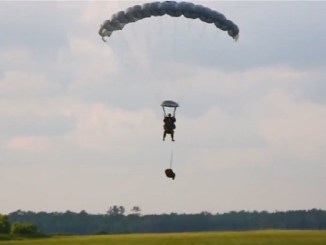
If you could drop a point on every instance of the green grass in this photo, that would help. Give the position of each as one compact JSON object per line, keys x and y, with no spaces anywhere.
{"x":266,"y":237}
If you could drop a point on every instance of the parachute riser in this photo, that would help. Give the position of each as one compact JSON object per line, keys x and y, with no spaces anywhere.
{"x":175,"y":108}
{"x":169,"y":104}
{"x":165,"y":113}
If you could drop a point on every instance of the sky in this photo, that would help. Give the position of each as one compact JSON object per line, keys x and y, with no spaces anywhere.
{"x":81,"y":123}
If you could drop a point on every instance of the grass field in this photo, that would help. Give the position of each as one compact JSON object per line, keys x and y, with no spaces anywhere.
{"x":266,"y":237}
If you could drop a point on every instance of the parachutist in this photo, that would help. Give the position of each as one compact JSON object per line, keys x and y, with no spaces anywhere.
{"x":169,"y":126}
{"x":169,"y":173}
{"x":169,"y":120}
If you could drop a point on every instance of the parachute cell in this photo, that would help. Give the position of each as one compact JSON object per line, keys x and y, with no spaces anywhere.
{"x":171,"y":8}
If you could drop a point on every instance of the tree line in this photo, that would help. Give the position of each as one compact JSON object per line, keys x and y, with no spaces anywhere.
{"x":116,"y":221}
{"x":10,"y":230}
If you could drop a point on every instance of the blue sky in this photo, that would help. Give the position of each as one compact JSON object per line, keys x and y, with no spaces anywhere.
{"x":81,"y":123}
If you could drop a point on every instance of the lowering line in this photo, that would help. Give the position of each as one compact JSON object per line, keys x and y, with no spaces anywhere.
{"x":171,"y":157}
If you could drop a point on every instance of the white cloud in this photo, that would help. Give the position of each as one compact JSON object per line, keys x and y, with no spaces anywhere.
{"x":16,"y":83}
{"x":294,"y":128}
{"x":35,"y":144}
{"x":104,"y":128}
{"x":15,"y":55}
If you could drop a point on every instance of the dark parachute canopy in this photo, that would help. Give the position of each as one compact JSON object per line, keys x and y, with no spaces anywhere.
{"x":174,"y":9}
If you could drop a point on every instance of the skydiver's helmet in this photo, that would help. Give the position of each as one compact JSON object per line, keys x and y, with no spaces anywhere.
{"x":169,"y":115}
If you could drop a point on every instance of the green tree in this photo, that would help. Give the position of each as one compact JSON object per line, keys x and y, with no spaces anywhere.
{"x":136,"y":211}
{"x":116,"y":210}
{"x":24,"y":229}
{"x":4,"y":224}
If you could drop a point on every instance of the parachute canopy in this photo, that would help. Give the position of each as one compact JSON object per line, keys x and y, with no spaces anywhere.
{"x":169,"y":104}
{"x":172,"y":8}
